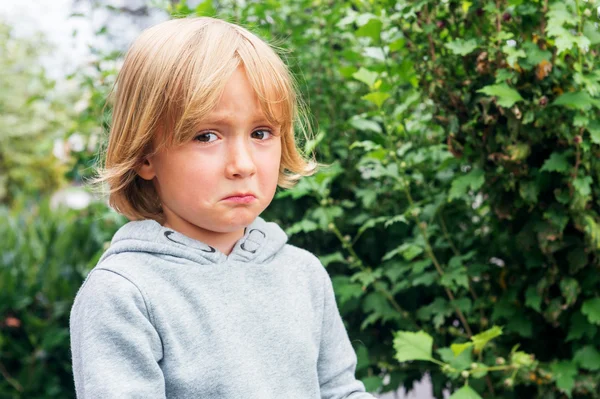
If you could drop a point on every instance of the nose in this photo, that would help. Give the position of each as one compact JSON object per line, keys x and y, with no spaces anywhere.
{"x":240,"y":159}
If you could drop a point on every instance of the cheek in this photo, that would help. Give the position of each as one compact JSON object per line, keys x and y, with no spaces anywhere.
{"x":183,"y":178}
{"x":269,"y":164}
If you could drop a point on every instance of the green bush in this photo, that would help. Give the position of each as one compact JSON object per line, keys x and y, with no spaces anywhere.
{"x":30,"y":118}
{"x":45,"y":255}
{"x":463,"y":191}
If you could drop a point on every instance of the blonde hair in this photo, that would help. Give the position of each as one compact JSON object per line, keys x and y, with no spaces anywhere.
{"x":173,"y":76}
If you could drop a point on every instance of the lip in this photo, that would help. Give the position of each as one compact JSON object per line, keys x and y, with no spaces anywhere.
{"x":240,"y":198}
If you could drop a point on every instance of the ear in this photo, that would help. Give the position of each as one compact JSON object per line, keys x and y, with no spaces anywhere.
{"x":146,"y":171}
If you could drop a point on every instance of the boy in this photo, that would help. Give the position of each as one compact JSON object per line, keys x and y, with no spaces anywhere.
{"x":197,"y":296}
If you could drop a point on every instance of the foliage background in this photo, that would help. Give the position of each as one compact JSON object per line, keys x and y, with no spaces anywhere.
{"x":463,"y":139}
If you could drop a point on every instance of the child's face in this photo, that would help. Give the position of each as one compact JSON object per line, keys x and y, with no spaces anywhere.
{"x":235,"y":152}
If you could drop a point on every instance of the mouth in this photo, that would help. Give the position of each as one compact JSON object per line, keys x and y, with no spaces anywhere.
{"x":240,"y":198}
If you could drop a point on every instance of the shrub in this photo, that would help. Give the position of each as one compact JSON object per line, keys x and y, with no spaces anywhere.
{"x":45,"y":255}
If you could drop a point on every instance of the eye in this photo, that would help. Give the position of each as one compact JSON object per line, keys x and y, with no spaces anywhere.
{"x":207,"y":137}
{"x":261,"y":134}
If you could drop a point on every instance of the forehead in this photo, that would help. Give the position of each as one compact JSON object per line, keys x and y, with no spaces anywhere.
{"x":229,"y":74}
{"x":241,"y":102}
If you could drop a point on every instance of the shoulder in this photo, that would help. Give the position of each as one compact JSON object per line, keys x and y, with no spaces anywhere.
{"x":303,"y":258}
{"x":112,"y":281}
{"x":123,"y":263}
{"x":105,"y":292}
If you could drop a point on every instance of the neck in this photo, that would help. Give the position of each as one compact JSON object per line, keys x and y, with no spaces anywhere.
{"x":224,"y":242}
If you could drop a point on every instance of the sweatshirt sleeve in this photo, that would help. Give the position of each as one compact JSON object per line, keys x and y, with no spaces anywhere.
{"x":115,"y":348}
{"x":337,"y":359}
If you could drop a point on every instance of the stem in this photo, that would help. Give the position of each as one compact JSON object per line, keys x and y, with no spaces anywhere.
{"x":488,"y":381}
{"x":543,"y":25}
{"x":447,"y":235}
{"x":437,"y":265}
{"x":347,"y":246}
{"x":577,"y":162}
{"x":498,"y":368}
{"x":579,"y":31}
{"x":457,"y":253}
{"x":431,"y":254}
{"x":362,"y":266}
{"x":399,"y":309}
{"x":437,"y":362}
{"x":429,"y":36}
{"x":498,"y":21}
{"x":9,"y":379}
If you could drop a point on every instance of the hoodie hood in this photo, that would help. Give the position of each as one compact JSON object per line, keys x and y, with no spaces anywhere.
{"x":261,"y":241}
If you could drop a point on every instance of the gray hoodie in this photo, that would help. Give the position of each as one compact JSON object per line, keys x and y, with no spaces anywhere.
{"x":165,"y":316}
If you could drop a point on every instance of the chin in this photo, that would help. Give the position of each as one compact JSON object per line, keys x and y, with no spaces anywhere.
{"x":238,"y":221}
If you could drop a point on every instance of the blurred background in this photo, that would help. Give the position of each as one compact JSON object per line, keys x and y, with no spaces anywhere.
{"x":458,"y":219}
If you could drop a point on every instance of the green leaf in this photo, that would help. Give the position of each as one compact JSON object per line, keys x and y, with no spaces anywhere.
{"x":506,"y":96}
{"x":365,"y":125}
{"x":583,"y":185}
{"x":362,"y":357}
{"x":460,"y":362}
{"x":413,"y":346}
{"x":455,"y":277}
{"x":594,"y":128}
{"x":466,"y":5}
{"x":410,"y":251}
{"x":371,"y":29}
{"x":428,"y":279}
{"x":592,"y":230}
{"x":304,"y":225}
{"x":520,"y":324}
{"x":466,"y":392}
{"x":366,"y":76}
{"x":560,"y":21}
{"x":591,"y":308}
{"x":533,"y":298}
{"x":579,"y":100}
{"x":372,"y":222}
{"x":205,"y":9}
{"x":395,"y":219}
{"x":564,"y":375}
{"x":588,"y":358}
{"x":518,"y":151}
{"x":397,"y":44}
{"x":460,"y":186}
{"x":535,"y":55}
{"x":580,"y":327}
{"x":480,"y":371}
{"x":570,"y":289}
{"x":438,"y":310}
{"x":577,"y":259}
{"x":377,"y":98}
{"x":556,"y":163}
{"x":367,"y":276}
{"x":457,"y":349}
{"x":461,"y":47}
{"x":335,"y":257}
{"x":513,"y":54}
{"x":529,"y":191}
{"x":591,"y":32}
{"x":481,"y":339}
{"x":372,"y":383}
{"x":519,"y":358}
{"x":346,"y":290}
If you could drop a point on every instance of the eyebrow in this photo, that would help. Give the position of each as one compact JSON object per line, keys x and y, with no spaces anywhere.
{"x":227,"y":120}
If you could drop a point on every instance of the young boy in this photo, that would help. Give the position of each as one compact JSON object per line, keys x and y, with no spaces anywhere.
{"x":197,"y":296}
